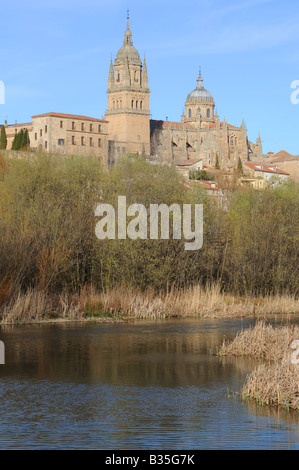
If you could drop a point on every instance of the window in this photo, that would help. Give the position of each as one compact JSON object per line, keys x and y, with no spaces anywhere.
{"x":82,"y":126}
{"x":208,"y":112}
{"x":46,"y":129}
{"x":82,"y":140}
{"x":35,"y":136}
{"x":99,"y":128}
{"x":60,"y":141}
{"x":99,"y":143}
{"x":132,"y":104}
{"x":190,"y":113}
{"x":90,"y":142}
{"x":40,"y":132}
{"x":73,"y":125}
{"x":140,"y":104}
{"x":46,"y":144}
{"x":73,"y":140}
{"x":90,"y":127}
{"x":61,"y":124}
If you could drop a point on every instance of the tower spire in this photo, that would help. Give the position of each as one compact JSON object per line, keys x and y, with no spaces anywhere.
{"x":144,"y":75}
{"x":128,"y":35}
{"x":199,"y":80}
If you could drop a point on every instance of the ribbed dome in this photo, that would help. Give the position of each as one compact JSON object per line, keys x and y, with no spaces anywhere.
{"x":200,"y":93}
{"x":128,"y":51}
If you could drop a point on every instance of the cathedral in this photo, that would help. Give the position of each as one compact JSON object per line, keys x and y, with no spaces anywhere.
{"x":198,"y":136}
{"x":128,"y":129}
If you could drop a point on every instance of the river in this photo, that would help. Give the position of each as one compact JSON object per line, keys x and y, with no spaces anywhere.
{"x":140,"y":385}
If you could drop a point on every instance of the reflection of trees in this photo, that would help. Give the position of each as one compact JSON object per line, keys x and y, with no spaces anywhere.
{"x":167,"y":353}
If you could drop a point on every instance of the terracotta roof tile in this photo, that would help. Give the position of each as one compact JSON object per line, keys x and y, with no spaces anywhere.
{"x":266,"y":168}
{"x":70,"y":116}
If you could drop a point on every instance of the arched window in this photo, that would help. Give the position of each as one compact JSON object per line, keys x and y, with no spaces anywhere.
{"x":140,"y":104}
{"x":190,"y":113}
{"x":136,"y":104}
{"x":208,"y":112}
{"x":232,"y":141}
{"x":132,"y":104}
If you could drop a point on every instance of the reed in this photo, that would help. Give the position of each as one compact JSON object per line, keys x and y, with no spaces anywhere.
{"x":276,"y":380}
{"x":128,"y":302}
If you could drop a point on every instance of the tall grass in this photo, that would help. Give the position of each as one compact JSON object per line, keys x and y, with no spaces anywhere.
{"x":276,"y":380}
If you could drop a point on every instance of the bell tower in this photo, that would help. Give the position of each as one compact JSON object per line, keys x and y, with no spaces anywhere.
{"x":128,"y":100}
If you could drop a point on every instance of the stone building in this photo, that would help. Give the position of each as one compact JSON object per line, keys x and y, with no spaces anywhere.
{"x":128,"y":102}
{"x":127,"y":127}
{"x":65,"y":134}
{"x":201,"y":135}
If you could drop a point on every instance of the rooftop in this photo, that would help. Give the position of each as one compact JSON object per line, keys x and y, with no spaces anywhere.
{"x":69,"y":116}
{"x":266,"y":168}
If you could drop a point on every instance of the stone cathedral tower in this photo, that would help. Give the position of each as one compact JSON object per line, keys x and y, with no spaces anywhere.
{"x":128,"y":102}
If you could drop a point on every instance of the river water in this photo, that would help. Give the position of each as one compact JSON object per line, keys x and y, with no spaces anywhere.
{"x":142,"y":385}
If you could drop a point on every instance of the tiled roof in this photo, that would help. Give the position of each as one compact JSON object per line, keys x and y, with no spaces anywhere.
{"x":213,"y":124}
{"x":69,"y":116}
{"x":177,"y":125}
{"x":266,"y":168}
{"x":204,"y":184}
{"x":188,"y":162}
{"x":25,"y":124}
{"x":282,"y":153}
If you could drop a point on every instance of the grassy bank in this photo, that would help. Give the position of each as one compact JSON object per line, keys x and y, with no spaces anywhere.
{"x":276,"y":380}
{"x":126,"y":302}
{"x":50,"y":256}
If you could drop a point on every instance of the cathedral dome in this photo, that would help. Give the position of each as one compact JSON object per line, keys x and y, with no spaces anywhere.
{"x":128,"y":51}
{"x":200,"y":93}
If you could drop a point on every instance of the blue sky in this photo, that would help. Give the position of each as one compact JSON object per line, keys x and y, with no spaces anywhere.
{"x":55,"y":56}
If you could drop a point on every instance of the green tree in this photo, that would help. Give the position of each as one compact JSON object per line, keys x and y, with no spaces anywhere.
{"x":240,"y":166}
{"x":3,"y":138}
{"x":21,"y":140}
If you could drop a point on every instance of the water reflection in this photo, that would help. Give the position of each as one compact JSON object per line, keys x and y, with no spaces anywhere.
{"x":143,"y":385}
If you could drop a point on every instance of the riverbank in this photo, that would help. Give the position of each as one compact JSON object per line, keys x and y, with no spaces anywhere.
{"x":274,"y":382}
{"x":124,"y":302}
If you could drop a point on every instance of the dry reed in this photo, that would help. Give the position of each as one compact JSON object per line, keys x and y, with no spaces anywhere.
{"x":129,"y":302}
{"x":277,"y":381}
